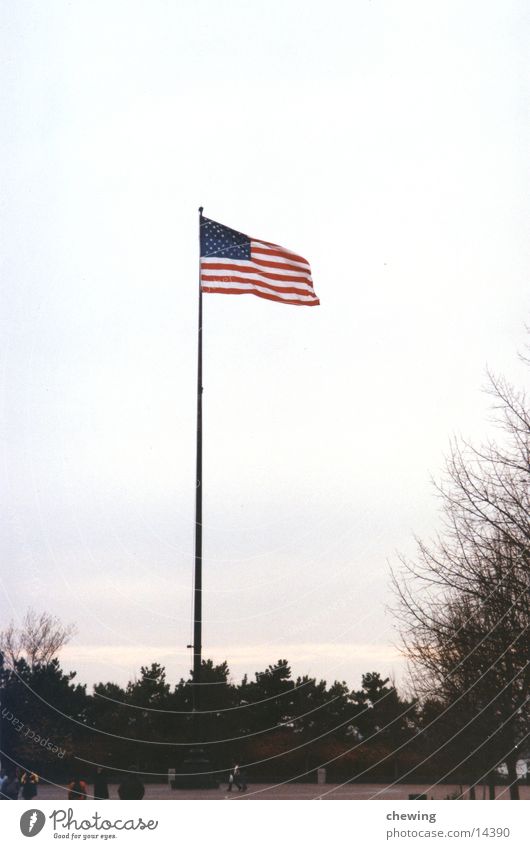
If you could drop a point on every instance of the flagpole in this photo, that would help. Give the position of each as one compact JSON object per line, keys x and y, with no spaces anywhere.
{"x":197,"y":600}
{"x":196,"y":769}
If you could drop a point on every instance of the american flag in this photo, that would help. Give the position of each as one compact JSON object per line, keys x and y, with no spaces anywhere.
{"x":235,"y":264}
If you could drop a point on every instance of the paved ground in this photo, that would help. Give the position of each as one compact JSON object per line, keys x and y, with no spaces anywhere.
{"x":297,"y":791}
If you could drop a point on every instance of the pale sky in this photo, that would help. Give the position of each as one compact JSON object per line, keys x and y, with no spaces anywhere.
{"x":386,"y":142}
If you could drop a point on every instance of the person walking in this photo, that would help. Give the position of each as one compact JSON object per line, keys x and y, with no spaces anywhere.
{"x":101,"y":787}
{"x":243,"y":779}
{"x":77,"y":789}
{"x":10,"y":785}
{"x":131,"y":786}
{"x":29,"y":782}
{"x":3,"y":779}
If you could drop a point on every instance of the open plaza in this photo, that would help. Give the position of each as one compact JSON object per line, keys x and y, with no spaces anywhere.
{"x":290,"y":791}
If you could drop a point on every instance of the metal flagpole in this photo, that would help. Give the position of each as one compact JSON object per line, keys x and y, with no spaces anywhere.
{"x":197,"y":599}
{"x":196,"y":769}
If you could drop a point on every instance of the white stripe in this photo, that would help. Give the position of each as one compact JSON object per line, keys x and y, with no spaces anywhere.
{"x":255,"y":251}
{"x":238,"y":276}
{"x":249,"y":287}
{"x":272,"y":247}
{"x":300,"y":269}
{"x":252,"y":268}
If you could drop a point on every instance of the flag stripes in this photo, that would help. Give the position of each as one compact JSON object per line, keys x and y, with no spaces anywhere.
{"x":235,"y":264}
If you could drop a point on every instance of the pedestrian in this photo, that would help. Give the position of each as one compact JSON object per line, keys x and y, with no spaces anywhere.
{"x":77,"y":788}
{"x":230,"y":781}
{"x":243,"y":779}
{"x":131,"y":786}
{"x":237,"y":780}
{"x":29,"y":781}
{"x":10,"y":785}
{"x":101,"y":787}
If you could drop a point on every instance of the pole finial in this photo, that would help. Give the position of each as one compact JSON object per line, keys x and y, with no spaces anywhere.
{"x":201,"y":209}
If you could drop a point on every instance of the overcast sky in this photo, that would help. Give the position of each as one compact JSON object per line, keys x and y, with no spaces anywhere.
{"x":387,"y":143}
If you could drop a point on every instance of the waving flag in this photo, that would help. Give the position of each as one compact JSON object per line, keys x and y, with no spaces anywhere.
{"x":235,"y":264}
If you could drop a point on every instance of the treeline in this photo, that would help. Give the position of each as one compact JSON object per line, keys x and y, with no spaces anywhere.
{"x":277,"y":726}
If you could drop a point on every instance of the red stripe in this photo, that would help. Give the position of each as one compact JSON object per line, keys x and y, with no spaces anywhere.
{"x":270,"y":275}
{"x":214,"y":278}
{"x":267,"y":264}
{"x":278,"y":252}
{"x":265,"y":295}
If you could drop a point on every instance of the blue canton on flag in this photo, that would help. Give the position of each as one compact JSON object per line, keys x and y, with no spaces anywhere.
{"x":218,"y":240}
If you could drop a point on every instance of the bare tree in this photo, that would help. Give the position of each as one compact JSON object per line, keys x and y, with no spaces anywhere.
{"x":38,"y":640}
{"x":463,"y":602}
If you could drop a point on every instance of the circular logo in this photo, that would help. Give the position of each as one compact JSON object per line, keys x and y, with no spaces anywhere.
{"x":31,"y":822}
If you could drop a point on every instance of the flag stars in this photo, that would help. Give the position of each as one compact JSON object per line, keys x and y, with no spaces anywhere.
{"x":223,"y":242}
